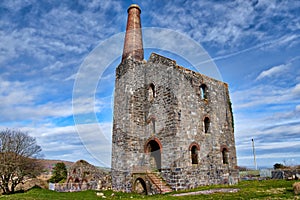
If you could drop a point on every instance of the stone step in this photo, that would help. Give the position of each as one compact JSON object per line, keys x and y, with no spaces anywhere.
{"x":159,"y":183}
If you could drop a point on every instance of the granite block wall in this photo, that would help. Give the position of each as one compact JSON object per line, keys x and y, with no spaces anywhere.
{"x":165,"y":115}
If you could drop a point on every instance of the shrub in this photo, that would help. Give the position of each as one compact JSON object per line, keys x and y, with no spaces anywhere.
{"x":278,"y":166}
{"x":296,"y":187}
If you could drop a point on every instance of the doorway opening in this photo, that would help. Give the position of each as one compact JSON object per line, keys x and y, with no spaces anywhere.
{"x":153,"y":147}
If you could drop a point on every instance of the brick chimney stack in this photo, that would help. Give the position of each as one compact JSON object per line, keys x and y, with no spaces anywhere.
{"x":133,"y":44}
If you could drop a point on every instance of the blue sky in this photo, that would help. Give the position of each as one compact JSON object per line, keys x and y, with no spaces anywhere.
{"x":255,"y":45}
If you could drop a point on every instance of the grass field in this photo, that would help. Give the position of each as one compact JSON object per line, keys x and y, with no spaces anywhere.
{"x":267,"y":189}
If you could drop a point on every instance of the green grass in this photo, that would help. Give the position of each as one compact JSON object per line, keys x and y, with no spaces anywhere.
{"x":268,"y":189}
{"x":252,"y":173}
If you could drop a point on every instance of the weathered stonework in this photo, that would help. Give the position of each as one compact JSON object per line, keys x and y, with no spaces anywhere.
{"x":172,"y":127}
{"x":159,"y":105}
{"x":87,"y":176}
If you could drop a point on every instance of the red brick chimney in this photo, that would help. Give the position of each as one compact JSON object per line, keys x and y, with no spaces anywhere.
{"x":133,"y":44}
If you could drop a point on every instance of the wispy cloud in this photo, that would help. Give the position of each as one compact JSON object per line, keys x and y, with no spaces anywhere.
{"x":296,"y":90}
{"x":227,"y":24}
{"x":275,"y":142}
{"x":260,"y":95}
{"x":25,"y":101}
{"x":271,"y":72}
{"x":90,"y":145}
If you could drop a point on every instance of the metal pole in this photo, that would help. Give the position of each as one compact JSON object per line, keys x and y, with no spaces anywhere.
{"x":255,"y":164}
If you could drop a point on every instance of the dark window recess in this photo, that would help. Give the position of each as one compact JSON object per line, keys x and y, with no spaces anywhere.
{"x":151,"y":92}
{"x":225,"y":156}
{"x":206,"y":124}
{"x":194,"y":155}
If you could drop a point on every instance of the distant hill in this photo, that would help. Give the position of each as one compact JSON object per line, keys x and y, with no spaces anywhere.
{"x":49,"y":164}
{"x":105,"y":169}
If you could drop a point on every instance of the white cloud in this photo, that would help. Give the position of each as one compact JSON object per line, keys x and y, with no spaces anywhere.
{"x":288,"y":39}
{"x":265,"y":94}
{"x":71,"y":77}
{"x":296,"y":90}
{"x":36,"y":112}
{"x":16,"y":5}
{"x":259,"y":95}
{"x":270,"y":147}
{"x":96,"y":138}
{"x":28,"y":100}
{"x":228,"y":24}
{"x":91,"y":142}
{"x":271,"y":72}
{"x":280,"y":144}
{"x":14,"y":93}
{"x":7,"y":47}
{"x":276,"y":156}
{"x":52,"y":109}
{"x":58,"y":32}
{"x":22,"y":101}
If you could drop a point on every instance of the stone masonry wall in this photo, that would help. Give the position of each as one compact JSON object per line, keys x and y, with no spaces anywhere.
{"x":162,"y":102}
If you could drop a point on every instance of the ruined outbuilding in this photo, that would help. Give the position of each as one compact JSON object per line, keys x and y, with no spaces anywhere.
{"x":172,"y":127}
{"x":82,"y":175}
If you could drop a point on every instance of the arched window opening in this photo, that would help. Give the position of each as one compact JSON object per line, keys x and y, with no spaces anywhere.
{"x":151,"y":92}
{"x":154,"y":149}
{"x":194,"y":154}
{"x":203,"y":91}
{"x":225,"y":156}
{"x":194,"y":148}
{"x":206,"y":124}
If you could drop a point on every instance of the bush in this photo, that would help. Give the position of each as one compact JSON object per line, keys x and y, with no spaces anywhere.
{"x":278,"y":166}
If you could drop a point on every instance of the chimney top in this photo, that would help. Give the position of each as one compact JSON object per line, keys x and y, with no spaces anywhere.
{"x":134,"y":6}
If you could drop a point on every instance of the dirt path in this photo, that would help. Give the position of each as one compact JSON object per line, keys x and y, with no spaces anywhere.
{"x":221,"y":190}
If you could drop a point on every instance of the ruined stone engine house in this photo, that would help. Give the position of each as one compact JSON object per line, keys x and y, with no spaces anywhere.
{"x":172,"y":127}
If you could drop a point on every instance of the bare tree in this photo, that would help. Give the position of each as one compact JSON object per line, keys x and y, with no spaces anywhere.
{"x":18,"y":151}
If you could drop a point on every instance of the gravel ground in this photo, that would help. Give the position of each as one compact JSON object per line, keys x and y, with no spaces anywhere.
{"x":221,"y":190}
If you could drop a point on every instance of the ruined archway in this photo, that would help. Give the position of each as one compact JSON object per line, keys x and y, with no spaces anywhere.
{"x":70,"y":182}
{"x":140,"y":186}
{"x":153,"y":148}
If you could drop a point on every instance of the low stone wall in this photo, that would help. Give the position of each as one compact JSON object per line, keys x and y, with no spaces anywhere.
{"x":191,"y":177}
{"x":72,"y":187}
{"x":286,"y":174}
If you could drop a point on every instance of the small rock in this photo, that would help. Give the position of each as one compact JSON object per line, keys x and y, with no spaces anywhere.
{"x":100,"y":194}
{"x":296,"y":187}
